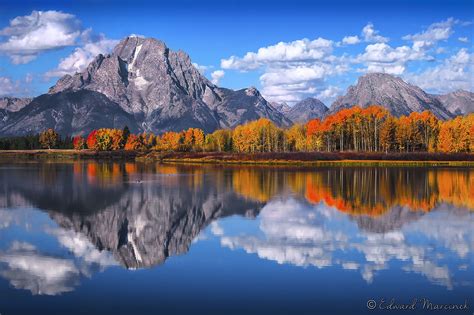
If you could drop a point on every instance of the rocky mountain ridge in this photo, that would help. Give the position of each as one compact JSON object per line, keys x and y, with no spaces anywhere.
{"x":398,"y":96}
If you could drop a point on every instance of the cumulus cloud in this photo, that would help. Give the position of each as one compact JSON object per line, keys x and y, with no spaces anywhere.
{"x":453,"y":73}
{"x":82,"y":56}
{"x":291,"y":70}
{"x":216,"y":229}
{"x":28,"y":36}
{"x":434,"y":33}
{"x":201,"y":68}
{"x":11,"y":87}
{"x":7,"y":86}
{"x":283,"y":52}
{"x":370,"y":34}
{"x":297,"y":82}
{"x":351,"y":40}
{"x":329,"y":94}
{"x":26,"y":268}
{"x":463,"y":39}
{"x":381,"y":57}
{"x":82,"y":248}
{"x":293,"y":232}
{"x":217,"y":76}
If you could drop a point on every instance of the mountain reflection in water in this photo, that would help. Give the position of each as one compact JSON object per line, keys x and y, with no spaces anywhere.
{"x":100,"y":215}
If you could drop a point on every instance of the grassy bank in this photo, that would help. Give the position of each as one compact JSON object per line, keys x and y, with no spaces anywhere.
{"x":284,"y":158}
{"x":59,"y":154}
{"x":315,"y":158}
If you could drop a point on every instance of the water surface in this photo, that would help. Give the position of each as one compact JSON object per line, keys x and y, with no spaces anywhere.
{"x":128,"y":238}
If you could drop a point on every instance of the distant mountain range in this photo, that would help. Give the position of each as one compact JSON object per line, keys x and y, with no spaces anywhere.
{"x":307,"y":109}
{"x":148,"y":87}
{"x":459,"y":102}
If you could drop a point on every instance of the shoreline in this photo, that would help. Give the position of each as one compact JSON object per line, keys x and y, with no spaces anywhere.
{"x":222,"y":158}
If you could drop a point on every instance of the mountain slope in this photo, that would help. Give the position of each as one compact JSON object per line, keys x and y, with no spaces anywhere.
{"x":307,"y":109}
{"x":13,"y":104}
{"x":281,"y":107}
{"x":68,"y":113}
{"x":164,"y":91}
{"x":391,"y":92}
{"x":459,"y":102}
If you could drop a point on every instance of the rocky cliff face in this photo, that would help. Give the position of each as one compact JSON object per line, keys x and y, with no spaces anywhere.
{"x":459,"y":102}
{"x":307,"y":109}
{"x":75,"y":112}
{"x":13,"y":104}
{"x":281,"y":107}
{"x":399,"y":97}
{"x":163,"y":91}
{"x":9,"y":105}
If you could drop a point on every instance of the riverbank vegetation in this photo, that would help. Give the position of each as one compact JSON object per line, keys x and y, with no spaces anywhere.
{"x":356,"y":129}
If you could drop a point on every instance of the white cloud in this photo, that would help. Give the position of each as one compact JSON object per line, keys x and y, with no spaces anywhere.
{"x":293,"y":232}
{"x":28,"y":269}
{"x":10,"y":87}
{"x":82,"y":248}
{"x":302,"y":50}
{"x":201,"y":68}
{"x":29,"y":35}
{"x":291,"y":70}
{"x":329,"y":94}
{"x":295,"y":83}
{"x":369,"y":34}
{"x":381,"y":57}
{"x":7,"y":86}
{"x":453,"y":73}
{"x":463,"y":39}
{"x":217,"y":76}
{"x":216,"y":229}
{"x":351,"y":40}
{"x":80,"y":58}
{"x":295,"y":75}
{"x":434,"y":33}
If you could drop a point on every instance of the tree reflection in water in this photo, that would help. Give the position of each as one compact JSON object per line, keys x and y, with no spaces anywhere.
{"x":137,"y":215}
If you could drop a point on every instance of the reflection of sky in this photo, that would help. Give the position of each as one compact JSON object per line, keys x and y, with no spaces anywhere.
{"x":38,"y":256}
{"x":35,"y":253}
{"x":437,"y":245}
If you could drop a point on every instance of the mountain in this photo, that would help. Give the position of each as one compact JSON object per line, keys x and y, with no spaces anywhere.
{"x":68,"y":113}
{"x":459,"y":102}
{"x":306,"y":110}
{"x":145,"y":85}
{"x":13,"y":104}
{"x":391,"y":92}
{"x":281,"y":107}
{"x":9,"y":105}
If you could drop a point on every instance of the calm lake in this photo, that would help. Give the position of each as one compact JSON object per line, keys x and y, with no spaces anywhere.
{"x":130,"y":238}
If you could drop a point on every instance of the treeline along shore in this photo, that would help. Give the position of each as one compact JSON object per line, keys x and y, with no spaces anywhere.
{"x":367,"y":134}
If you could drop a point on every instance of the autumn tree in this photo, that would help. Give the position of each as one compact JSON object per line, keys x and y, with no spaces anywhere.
{"x":169,"y":141}
{"x":91,"y":140}
{"x":193,"y":139}
{"x":295,"y":138}
{"x":387,"y":134}
{"x":134,"y":143}
{"x":49,"y":138}
{"x":117,"y":139}
{"x":103,"y":139}
{"x":79,"y":143}
{"x":315,"y":135}
{"x":125,"y":134}
{"x":219,"y":141}
{"x":454,"y":135}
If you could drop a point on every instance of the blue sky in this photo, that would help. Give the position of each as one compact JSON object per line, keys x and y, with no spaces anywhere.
{"x":289,"y":50}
